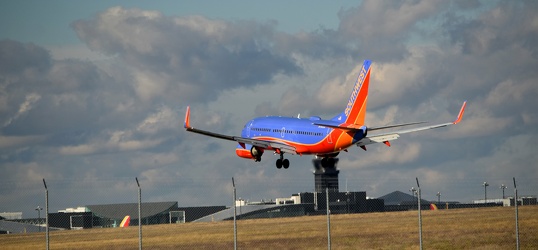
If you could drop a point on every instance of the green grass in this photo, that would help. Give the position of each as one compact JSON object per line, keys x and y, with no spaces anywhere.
{"x":481,"y":228}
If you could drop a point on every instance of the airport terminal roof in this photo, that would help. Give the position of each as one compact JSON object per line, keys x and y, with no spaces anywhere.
{"x":118,"y":211}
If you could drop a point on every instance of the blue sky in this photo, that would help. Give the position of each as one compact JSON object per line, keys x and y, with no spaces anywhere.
{"x":93,"y":94}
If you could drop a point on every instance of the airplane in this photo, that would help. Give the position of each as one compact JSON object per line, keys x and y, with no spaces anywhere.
{"x":126,"y":221}
{"x":324,"y":139}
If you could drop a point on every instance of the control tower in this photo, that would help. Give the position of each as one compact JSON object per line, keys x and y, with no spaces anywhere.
{"x":325,"y":175}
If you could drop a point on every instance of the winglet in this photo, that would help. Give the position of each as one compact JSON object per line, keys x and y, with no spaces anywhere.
{"x":460,"y":115}
{"x":187,"y":118}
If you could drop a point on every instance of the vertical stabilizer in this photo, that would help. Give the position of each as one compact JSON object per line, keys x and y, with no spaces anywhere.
{"x":355,"y":111}
{"x":125,"y":222}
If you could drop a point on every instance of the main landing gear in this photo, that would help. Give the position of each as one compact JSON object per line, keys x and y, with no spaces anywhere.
{"x":281,"y":162}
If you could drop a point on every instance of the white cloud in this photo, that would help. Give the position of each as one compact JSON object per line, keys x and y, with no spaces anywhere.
{"x":26,"y":106}
{"x":149,"y":85}
{"x":164,"y":118}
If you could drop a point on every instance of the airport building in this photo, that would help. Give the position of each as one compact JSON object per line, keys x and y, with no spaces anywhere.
{"x":111,"y":215}
{"x":300,"y":204}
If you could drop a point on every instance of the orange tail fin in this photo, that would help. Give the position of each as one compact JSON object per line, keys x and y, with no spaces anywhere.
{"x":125,"y":222}
{"x":355,"y":111}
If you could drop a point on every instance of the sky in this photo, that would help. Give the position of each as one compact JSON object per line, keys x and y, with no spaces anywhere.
{"x":93,"y":94}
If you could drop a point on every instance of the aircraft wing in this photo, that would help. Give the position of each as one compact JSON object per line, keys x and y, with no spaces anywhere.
{"x":271,"y":145}
{"x":386,"y":137}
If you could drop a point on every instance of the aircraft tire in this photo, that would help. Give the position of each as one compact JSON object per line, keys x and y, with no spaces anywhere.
{"x":286,"y":163}
{"x":279,"y":163}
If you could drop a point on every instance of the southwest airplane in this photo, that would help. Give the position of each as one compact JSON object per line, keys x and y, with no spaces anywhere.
{"x":315,"y":136}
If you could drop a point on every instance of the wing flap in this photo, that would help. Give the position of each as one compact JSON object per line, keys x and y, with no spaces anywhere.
{"x":377,"y":139}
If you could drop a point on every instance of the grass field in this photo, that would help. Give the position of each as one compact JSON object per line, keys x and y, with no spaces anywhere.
{"x":480,"y":228}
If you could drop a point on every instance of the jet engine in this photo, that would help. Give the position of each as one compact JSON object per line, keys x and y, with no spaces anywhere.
{"x":256,"y":153}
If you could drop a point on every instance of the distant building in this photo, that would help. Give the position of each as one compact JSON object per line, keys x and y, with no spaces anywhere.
{"x":521,"y":201}
{"x":151,"y":212}
{"x":110,"y":215}
{"x":74,"y":210}
{"x":10,"y":215}
{"x":300,"y":204}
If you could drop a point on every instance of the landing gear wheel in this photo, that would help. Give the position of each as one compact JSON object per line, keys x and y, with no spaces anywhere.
{"x":286,"y":163}
{"x":279,"y":163}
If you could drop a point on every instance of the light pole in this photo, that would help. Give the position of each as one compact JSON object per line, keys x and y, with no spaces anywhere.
{"x":485,"y":184}
{"x":438,"y":198}
{"x":38,"y":208}
{"x":413,"y":192}
{"x":517,"y":216}
{"x":503,"y":187}
{"x":46,"y":214}
{"x":235,"y":215}
{"x":139,"y":214}
{"x":419,"y":214}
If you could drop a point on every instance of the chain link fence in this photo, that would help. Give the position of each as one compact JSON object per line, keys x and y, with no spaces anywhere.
{"x":298,"y":221}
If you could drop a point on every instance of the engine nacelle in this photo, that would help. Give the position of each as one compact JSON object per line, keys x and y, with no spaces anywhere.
{"x":252,"y":153}
{"x":256,"y":153}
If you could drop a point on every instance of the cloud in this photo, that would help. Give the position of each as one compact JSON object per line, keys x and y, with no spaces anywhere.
{"x":25,"y":107}
{"x":145,"y":135}
{"x":21,"y":60}
{"x":168,"y":53}
{"x":9,"y":142}
{"x":384,"y":27}
{"x":507,"y":25}
{"x":379,"y":155}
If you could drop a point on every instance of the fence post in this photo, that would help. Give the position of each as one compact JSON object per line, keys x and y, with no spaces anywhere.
{"x":139,"y":215}
{"x":419,"y":215}
{"x":235,"y":221}
{"x":328,"y":219}
{"x":46,"y":213}
{"x":517,"y":216}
